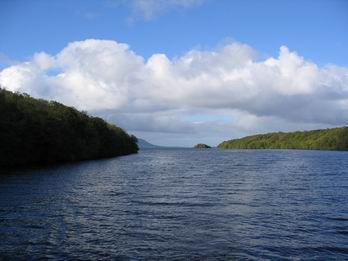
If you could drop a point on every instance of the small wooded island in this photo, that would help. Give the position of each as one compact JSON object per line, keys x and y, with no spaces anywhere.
{"x":325,"y":139}
{"x":40,"y":132}
{"x":201,"y":146}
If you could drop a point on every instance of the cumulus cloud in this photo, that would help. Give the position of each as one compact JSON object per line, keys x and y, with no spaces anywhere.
{"x":225,"y":92}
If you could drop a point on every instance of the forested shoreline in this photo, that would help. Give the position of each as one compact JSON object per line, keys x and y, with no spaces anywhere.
{"x":39,"y":132}
{"x":324,"y":139}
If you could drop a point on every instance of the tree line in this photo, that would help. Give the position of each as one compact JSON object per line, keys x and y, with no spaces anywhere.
{"x":39,"y":132}
{"x":325,"y":139}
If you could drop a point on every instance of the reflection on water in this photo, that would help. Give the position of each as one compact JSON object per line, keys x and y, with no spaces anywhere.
{"x":180,"y":204}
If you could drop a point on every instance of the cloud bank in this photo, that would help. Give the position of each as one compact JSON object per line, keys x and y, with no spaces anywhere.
{"x":211,"y":95}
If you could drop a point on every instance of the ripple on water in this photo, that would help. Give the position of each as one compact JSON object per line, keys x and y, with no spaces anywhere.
{"x":180,"y":204}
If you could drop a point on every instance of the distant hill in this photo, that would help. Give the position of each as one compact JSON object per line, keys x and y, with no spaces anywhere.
{"x":325,"y":139}
{"x":143,"y":144}
{"x":39,"y":132}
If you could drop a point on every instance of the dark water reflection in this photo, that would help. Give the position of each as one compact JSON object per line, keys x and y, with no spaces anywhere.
{"x":180,"y":204}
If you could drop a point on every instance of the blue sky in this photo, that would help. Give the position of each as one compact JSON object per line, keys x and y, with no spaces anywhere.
{"x":167,"y":84}
{"x":317,"y":29}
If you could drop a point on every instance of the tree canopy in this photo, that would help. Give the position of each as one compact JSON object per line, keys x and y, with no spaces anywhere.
{"x":325,"y":139}
{"x":39,"y":132}
{"x":201,"y":146}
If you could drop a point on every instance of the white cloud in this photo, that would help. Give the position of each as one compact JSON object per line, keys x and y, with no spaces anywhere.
{"x":163,"y":95}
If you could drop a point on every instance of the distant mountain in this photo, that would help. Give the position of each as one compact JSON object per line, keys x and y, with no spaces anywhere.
{"x":327,"y":139}
{"x":143,"y":144}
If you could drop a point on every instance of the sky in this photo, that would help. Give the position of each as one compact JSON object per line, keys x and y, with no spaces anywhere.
{"x":181,"y":72}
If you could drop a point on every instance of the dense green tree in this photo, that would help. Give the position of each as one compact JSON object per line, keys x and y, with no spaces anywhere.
{"x":327,"y":139}
{"x":38,"y":132}
{"x":201,"y":146}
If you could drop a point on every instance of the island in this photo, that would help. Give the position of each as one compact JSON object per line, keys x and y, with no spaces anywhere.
{"x":39,"y":132}
{"x":323,"y":139}
{"x":201,"y":146}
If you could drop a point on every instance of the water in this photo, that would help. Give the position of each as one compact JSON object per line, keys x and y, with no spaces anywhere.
{"x":180,"y":204}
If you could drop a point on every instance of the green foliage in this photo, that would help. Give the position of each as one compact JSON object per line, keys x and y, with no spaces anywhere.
{"x":39,"y":132}
{"x":201,"y":146}
{"x":328,"y":139}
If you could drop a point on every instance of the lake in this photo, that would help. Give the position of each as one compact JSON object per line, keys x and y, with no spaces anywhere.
{"x":180,"y":204}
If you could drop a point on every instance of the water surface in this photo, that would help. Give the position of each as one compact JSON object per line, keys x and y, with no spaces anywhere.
{"x":180,"y":204}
